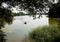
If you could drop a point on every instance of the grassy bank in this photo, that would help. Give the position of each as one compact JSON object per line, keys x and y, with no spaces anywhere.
{"x":44,"y":34}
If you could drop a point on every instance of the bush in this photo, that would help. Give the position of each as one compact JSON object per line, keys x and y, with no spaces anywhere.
{"x":45,"y":34}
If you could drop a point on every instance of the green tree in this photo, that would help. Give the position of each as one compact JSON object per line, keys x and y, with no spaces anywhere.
{"x":6,"y":16}
{"x":2,"y":36}
{"x":54,"y":11}
{"x":33,"y":6}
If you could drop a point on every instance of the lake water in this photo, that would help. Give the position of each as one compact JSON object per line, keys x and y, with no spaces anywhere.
{"x":21,"y":26}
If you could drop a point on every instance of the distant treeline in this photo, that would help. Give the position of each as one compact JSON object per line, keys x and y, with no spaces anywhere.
{"x":19,"y":14}
{"x":22,"y":14}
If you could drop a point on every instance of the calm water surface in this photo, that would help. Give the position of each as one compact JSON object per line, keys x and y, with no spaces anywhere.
{"x":18,"y":30}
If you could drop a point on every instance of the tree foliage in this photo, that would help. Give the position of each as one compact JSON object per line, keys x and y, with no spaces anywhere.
{"x":6,"y":16}
{"x":2,"y":36}
{"x":31,"y":5}
{"x":55,"y":11}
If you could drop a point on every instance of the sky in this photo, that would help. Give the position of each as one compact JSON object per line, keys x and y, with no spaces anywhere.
{"x":5,"y":5}
{"x":54,"y":1}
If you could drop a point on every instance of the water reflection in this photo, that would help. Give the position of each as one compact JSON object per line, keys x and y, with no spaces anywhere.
{"x":21,"y":26}
{"x":2,"y":36}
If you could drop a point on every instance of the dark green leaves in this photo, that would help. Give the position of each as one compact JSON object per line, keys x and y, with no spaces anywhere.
{"x":6,"y":16}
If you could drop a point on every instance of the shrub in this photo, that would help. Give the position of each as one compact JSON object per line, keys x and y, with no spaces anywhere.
{"x":45,"y":34}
